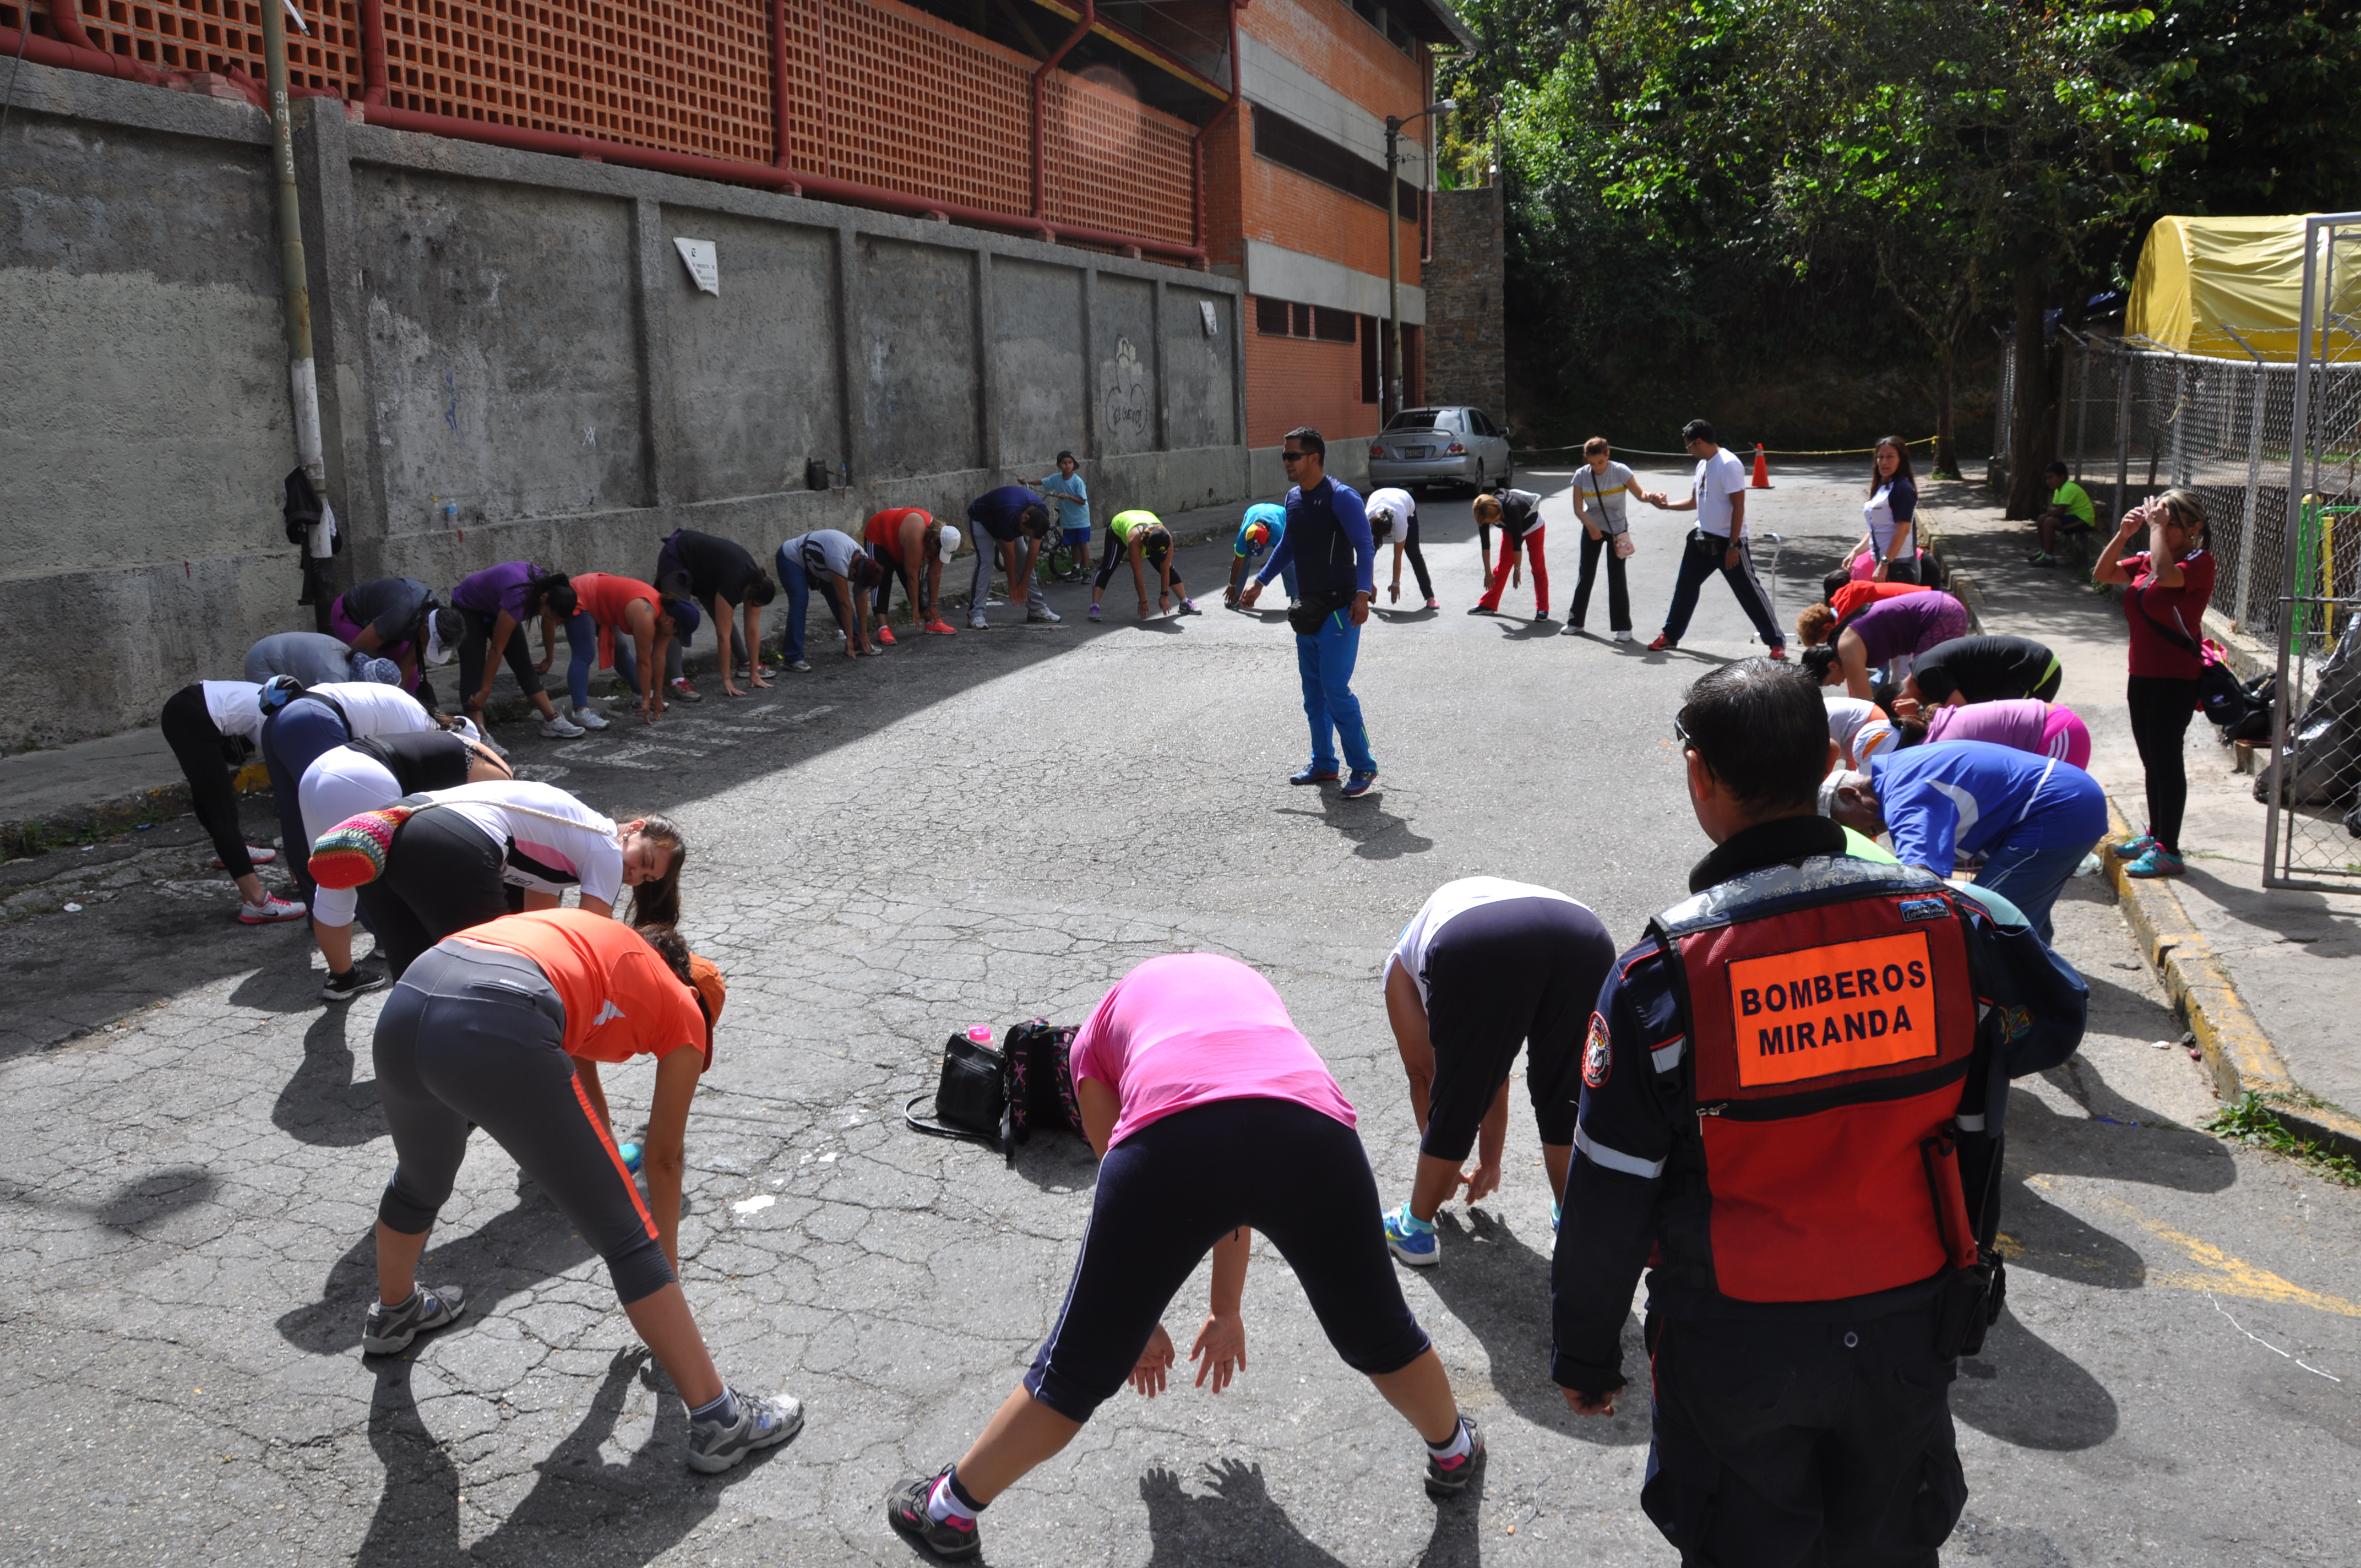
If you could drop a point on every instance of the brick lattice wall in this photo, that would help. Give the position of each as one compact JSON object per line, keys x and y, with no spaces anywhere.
{"x":1466,"y":344}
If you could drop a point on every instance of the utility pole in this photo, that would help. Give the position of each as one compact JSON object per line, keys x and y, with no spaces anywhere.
{"x":1390,"y":393}
{"x":302,"y":380}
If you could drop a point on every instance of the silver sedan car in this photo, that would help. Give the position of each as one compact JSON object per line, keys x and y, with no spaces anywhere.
{"x":1441,"y":446}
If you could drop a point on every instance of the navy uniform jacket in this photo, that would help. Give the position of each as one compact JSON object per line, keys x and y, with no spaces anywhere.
{"x":1623,"y":1135}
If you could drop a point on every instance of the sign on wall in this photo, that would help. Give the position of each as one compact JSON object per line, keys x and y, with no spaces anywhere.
{"x":704,"y":263}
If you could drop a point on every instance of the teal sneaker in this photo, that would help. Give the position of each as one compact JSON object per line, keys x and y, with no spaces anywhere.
{"x":1411,"y":1239}
{"x":2132,"y":847}
{"x":2156,"y":861}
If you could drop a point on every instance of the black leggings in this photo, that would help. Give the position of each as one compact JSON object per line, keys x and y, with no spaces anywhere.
{"x":1417,"y":558}
{"x":476,"y":1036}
{"x":1152,"y":553}
{"x":1171,"y":1190}
{"x":476,"y":643}
{"x":442,"y":875}
{"x":188,"y":728}
{"x":1498,"y":976}
{"x":2161,"y":708}
{"x":1618,"y":593}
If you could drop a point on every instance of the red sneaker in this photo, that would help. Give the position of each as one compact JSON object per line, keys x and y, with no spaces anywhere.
{"x":885,"y":635}
{"x":941,"y":628}
{"x":1779,"y":652}
{"x":1661,"y":644}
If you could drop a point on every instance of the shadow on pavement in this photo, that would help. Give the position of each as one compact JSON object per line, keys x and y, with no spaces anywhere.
{"x":1237,"y":1523}
{"x":506,"y":1257}
{"x":2024,"y":1391}
{"x":1376,"y":834}
{"x":1499,"y":1288}
{"x":582,"y":1509}
{"x":322,"y":1105}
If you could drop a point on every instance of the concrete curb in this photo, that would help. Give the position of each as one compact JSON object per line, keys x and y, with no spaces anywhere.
{"x":2238,"y":1056}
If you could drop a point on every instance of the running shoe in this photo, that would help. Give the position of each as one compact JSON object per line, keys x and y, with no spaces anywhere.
{"x":1043,"y":614}
{"x":588,"y":719}
{"x":255,"y":852}
{"x":631,"y":1155}
{"x":1542,"y":618}
{"x":905,"y":1510}
{"x":2156,"y":861}
{"x":1624,"y":637}
{"x":773,"y":1418}
{"x":351,"y":982}
{"x":390,"y":1329}
{"x":885,"y":635}
{"x":2041,"y":558}
{"x":1094,"y":612}
{"x":1313,"y":774}
{"x":941,"y":628}
{"x":1449,"y":1478}
{"x":1189,"y":607}
{"x":1779,"y":653}
{"x":1663,"y":644}
{"x":561,"y":729}
{"x":977,"y":623}
{"x":1411,"y":1239}
{"x":272,"y":909}
{"x":1435,"y":604}
{"x":800,"y":666}
{"x":1363,"y":781}
{"x":2131,"y":848}
{"x":681,"y":691}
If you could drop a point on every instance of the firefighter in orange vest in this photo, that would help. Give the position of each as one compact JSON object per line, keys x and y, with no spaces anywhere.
{"x":1789,"y":1113}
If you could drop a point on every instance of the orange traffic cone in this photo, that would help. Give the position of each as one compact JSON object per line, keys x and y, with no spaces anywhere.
{"x":1762,"y":470}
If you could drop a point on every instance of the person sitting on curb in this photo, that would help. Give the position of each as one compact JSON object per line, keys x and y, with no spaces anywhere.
{"x":1073,"y":498}
{"x":2032,"y":818}
{"x":1484,"y":967}
{"x":1212,"y":1118}
{"x":1979,"y":669}
{"x":1132,"y":536}
{"x":718,"y":576}
{"x":848,"y":576}
{"x":211,"y":727}
{"x":2070,"y":511}
{"x":1010,"y":524}
{"x":504,"y":1028}
{"x":1519,"y":515}
{"x":901,"y":538}
{"x":1259,"y":532}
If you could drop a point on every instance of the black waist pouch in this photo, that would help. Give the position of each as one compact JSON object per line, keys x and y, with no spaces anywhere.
{"x":1970,"y":1304}
{"x":1313,"y":611}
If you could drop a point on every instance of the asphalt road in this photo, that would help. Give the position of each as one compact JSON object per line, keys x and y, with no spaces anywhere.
{"x":979,"y":829}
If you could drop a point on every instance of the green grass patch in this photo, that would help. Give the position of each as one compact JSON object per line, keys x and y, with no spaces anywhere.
{"x":2251,"y":1122}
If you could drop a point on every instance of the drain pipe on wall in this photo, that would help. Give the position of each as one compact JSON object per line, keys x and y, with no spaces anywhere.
{"x":303,"y":381}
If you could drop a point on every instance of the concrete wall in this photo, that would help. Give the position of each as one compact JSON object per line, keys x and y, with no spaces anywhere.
{"x":1467,"y":340}
{"x":512,"y":337}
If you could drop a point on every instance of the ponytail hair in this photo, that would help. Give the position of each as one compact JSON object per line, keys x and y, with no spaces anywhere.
{"x":657,"y":903}
{"x":554,"y":592}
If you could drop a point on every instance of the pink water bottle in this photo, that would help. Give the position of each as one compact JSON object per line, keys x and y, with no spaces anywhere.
{"x":979,"y":1034}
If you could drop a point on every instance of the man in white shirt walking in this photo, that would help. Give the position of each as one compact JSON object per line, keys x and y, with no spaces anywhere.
{"x":1718,"y":543}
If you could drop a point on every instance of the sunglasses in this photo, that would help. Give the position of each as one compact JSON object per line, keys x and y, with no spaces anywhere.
{"x":1680,"y":731}
{"x":1291,"y":457}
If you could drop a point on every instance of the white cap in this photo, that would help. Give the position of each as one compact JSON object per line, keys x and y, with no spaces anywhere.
{"x":1835,"y":782}
{"x":951,"y":541}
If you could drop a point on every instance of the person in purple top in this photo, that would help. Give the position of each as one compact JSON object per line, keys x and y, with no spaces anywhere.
{"x":497,"y":602}
{"x":2032,"y":818}
{"x":1890,"y":629}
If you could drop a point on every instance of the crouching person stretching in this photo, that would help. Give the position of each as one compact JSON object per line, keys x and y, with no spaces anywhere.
{"x":1211,"y":1117}
{"x":504,"y":1028}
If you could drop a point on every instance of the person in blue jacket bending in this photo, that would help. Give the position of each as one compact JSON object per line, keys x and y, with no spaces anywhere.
{"x":2032,"y":818}
{"x":1259,"y":532}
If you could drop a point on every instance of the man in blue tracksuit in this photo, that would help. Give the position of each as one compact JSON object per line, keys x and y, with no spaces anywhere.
{"x":2032,"y":818}
{"x":1327,"y":543}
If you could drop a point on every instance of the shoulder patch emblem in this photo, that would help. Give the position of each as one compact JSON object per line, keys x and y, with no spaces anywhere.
{"x":1924,"y":909}
{"x":1598,"y":1053}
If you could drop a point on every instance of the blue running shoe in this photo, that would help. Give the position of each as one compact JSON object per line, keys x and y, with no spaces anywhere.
{"x":2133,"y":847}
{"x":2156,"y":860}
{"x":1411,"y":1239}
{"x":1363,"y":781}
{"x":1313,"y":774}
{"x":633,"y":1153}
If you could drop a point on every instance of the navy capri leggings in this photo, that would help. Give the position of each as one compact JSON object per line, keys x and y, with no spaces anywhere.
{"x":1171,"y":1190}
{"x":475,"y":1034}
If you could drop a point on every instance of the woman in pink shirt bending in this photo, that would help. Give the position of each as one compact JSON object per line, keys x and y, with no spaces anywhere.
{"x":1213,"y":1117}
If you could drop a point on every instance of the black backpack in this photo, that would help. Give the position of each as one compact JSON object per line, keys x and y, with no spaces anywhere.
{"x":995,"y":1097}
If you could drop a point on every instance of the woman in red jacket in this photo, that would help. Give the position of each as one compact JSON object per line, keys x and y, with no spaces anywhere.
{"x":2166,"y":589}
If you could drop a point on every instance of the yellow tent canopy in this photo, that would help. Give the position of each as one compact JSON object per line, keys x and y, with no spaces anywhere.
{"x":2201,"y":276}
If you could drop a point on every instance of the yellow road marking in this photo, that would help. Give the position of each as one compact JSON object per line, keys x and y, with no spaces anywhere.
{"x":2222,"y":1274}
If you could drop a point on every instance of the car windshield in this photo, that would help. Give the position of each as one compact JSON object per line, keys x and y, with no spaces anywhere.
{"x":1416,"y":418}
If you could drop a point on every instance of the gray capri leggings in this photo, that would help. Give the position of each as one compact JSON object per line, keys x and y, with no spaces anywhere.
{"x":473,"y":1035}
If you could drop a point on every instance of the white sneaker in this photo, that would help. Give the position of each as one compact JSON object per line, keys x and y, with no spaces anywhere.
{"x":1042,"y":612}
{"x":588,"y":720}
{"x":977,"y":623}
{"x":1622,"y":637}
{"x":561,"y":729}
{"x":271,"y":910}
{"x":800,"y":666}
